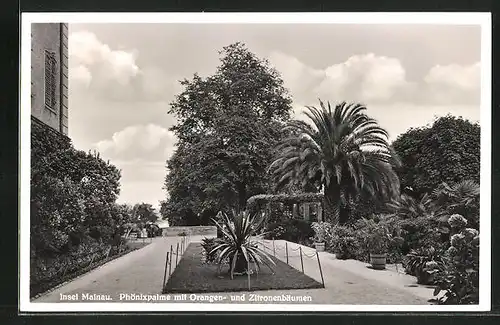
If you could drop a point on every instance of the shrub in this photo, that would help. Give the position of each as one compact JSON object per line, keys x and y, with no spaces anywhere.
{"x":293,"y":230}
{"x":182,"y":234}
{"x":380,"y":235}
{"x":343,"y":242}
{"x":209,"y":255}
{"x":459,"y":274}
{"x":423,"y":263}
{"x":322,"y":231}
{"x":420,"y":232}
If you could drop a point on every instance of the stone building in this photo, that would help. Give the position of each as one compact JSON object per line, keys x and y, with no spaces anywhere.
{"x":49,"y":75}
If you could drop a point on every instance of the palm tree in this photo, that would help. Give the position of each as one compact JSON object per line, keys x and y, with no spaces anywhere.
{"x":343,"y":152}
{"x":459,"y":198}
{"x":408,"y":207}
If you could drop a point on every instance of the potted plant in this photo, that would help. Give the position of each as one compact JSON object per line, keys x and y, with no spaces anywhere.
{"x":378,"y":237}
{"x":320,"y":231}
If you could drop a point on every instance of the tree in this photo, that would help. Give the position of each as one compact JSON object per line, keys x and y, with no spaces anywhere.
{"x":344,"y":152}
{"x":144,"y":213}
{"x":448,"y":151}
{"x":227,"y":125}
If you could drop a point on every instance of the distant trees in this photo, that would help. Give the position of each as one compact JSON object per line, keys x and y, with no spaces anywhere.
{"x":227,"y":125}
{"x":143,"y":213}
{"x":448,"y":151}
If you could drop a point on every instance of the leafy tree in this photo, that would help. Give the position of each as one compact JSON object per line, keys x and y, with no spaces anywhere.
{"x":344,"y":152}
{"x":227,"y":125}
{"x":448,"y":151}
{"x":143,"y":213}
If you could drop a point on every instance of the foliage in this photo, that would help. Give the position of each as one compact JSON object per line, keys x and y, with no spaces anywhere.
{"x":422,"y":263}
{"x":73,"y":194}
{"x":284,"y":198}
{"x":144,"y":213}
{"x":321,"y":231}
{"x":379,"y":234}
{"x":209,"y":254}
{"x":448,"y":151}
{"x":458,"y":198}
{"x":343,"y":242}
{"x":407,"y":207}
{"x":227,"y":125}
{"x":73,"y":205}
{"x":420,"y":232}
{"x":47,"y":272}
{"x":459,"y":275}
{"x":237,"y":245}
{"x":290,"y":229}
{"x":337,"y":153}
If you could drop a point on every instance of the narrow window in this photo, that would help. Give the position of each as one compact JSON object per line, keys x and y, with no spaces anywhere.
{"x":50,"y":80}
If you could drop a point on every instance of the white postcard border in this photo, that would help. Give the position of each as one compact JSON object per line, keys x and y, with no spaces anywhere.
{"x":482,"y":19}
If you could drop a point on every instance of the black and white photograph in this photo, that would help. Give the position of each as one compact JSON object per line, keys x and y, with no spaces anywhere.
{"x":255,"y":162}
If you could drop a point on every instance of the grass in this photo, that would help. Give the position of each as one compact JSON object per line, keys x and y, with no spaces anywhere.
{"x":192,"y":276}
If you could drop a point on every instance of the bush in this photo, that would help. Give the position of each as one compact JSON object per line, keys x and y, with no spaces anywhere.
{"x":420,"y":232}
{"x":422,"y":263}
{"x":293,"y":230}
{"x":459,"y":274}
{"x":73,"y":209}
{"x":322,"y":231}
{"x":208,"y":255}
{"x":343,"y":242}
{"x":380,"y":235}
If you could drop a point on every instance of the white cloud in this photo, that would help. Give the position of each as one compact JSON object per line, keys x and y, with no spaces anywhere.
{"x":454,"y":83}
{"x":80,"y":73}
{"x":115,"y":74}
{"x":376,"y":79}
{"x":149,"y":142}
{"x":86,"y":50}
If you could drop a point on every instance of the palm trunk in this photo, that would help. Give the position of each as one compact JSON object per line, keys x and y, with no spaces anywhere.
{"x":332,"y":204}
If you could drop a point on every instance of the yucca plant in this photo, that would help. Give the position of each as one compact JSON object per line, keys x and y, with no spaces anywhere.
{"x":237,"y":246}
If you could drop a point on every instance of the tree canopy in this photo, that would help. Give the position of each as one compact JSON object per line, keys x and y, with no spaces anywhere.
{"x":448,"y":151}
{"x":227,"y":125}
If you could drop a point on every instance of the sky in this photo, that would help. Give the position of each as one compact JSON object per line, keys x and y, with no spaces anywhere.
{"x":124,"y":76}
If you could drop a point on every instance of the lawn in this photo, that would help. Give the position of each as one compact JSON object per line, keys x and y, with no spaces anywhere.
{"x":192,"y":276}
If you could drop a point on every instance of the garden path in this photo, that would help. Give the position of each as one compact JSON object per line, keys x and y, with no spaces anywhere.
{"x":346,"y":282}
{"x":140,"y":271}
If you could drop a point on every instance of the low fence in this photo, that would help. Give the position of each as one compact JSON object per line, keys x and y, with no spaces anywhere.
{"x":285,"y":253}
{"x":207,"y":231}
{"x":288,"y":253}
{"x":174,"y":256}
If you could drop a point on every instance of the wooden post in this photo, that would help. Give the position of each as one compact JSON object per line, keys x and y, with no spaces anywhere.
{"x":274,"y":249}
{"x":165,"y":272}
{"x":320,"y":270}
{"x":301,"y":260}
{"x":248,"y":274}
{"x":286,"y":248}
{"x":177,"y":254}
{"x":170,"y":261}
